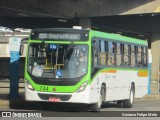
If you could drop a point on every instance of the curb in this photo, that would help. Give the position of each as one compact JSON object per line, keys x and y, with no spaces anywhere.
{"x":149,"y":97}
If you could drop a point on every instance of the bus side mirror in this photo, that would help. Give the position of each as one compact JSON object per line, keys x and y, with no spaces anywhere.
{"x":21,"y":50}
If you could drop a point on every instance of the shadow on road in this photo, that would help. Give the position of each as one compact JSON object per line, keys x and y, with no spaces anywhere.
{"x":46,"y":106}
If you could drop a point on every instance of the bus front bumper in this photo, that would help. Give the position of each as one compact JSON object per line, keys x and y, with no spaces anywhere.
{"x":86,"y":97}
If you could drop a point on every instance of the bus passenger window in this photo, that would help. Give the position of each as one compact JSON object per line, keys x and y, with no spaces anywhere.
{"x":95,"y":57}
{"x":145,"y":57}
{"x":94,"y":54}
{"x":102,"y":52}
{"x":126,"y":55}
{"x":111,"y":53}
{"x":133,"y":58}
{"x":118,"y":55}
{"x":139,"y":56}
{"x":129,"y":54}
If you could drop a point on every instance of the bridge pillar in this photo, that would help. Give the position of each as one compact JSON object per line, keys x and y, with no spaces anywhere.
{"x":155,"y":67}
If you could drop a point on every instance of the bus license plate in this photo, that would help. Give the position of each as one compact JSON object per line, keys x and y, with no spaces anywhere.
{"x":54,"y":99}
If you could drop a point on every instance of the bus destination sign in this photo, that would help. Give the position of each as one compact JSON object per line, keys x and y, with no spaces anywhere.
{"x":60,"y":36}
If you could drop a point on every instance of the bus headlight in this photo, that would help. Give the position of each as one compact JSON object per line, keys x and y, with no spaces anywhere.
{"x":82,"y":87}
{"x":29,"y":86}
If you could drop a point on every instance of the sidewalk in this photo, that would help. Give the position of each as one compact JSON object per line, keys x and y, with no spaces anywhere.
{"x":149,"y":97}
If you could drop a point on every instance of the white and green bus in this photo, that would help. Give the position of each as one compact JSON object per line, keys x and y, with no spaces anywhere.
{"x":85,"y":66}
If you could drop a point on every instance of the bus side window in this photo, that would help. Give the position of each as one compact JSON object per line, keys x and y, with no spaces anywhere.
{"x":102,"y":52}
{"x":111,"y":53}
{"x":122,"y":52}
{"x":94,"y":55}
{"x":133,"y":57}
{"x":139,"y":56}
{"x":129,"y":54}
{"x":118,"y":55}
{"x":145,"y":57}
{"x":126,"y":55}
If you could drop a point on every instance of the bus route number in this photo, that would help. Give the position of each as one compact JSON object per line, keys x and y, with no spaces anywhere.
{"x":43,"y":88}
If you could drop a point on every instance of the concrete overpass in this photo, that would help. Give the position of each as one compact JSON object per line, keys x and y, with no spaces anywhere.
{"x":76,"y":8}
{"x":140,"y":17}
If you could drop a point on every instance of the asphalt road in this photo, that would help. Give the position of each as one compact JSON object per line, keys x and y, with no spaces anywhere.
{"x":65,"y":111}
{"x":55,"y":109}
{"x":80,"y":112}
{"x":44,"y":106}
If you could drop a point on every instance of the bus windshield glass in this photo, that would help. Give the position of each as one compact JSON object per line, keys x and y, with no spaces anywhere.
{"x":57,"y":60}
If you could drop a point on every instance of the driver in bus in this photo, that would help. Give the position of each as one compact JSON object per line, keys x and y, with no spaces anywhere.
{"x":82,"y":57}
{"x":82,"y":62}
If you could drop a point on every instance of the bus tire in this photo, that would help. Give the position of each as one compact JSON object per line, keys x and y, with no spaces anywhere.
{"x":120,"y":103}
{"x":129,"y":102}
{"x":103,"y":92}
{"x":97,"y":106}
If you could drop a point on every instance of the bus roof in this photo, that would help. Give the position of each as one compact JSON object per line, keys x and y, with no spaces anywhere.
{"x":117,"y":37}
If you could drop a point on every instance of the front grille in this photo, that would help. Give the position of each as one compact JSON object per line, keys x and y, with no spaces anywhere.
{"x":47,"y":96}
{"x":55,"y":82}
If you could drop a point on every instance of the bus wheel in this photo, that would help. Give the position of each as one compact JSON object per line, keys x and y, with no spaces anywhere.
{"x":129,"y":103}
{"x":120,"y":103}
{"x":96,"y":107}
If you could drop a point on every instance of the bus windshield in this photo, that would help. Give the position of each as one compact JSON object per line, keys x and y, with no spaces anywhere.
{"x":57,"y":60}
